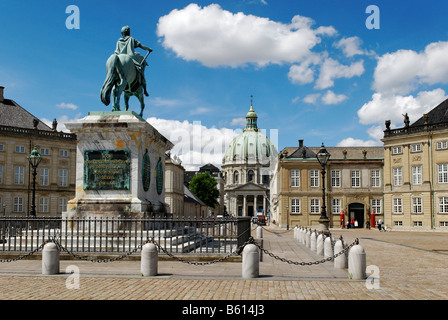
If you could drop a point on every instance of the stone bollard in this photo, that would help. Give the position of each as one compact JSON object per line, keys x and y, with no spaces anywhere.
{"x":308,"y":238}
{"x":251,"y":261}
{"x":303,"y":236}
{"x":340,"y":262}
{"x":320,"y":245}
{"x":313,"y":241}
{"x":149,"y":260}
{"x":328,"y":248}
{"x":50,"y":259}
{"x":259,"y":232}
{"x":357,"y":263}
{"x":296,"y":237}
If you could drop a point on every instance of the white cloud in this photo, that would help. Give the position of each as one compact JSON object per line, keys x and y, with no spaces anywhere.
{"x":312,"y":98}
{"x":392,"y":107}
{"x":216,"y":37}
{"x":240,"y":122}
{"x":351,"y":47}
{"x":62,"y":120}
{"x":163,"y":102}
{"x":351,"y":142}
{"x":332,"y":69}
{"x":402,"y":71}
{"x":194,"y":143}
{"x":331,"y":98}
{"x":64,"y":105}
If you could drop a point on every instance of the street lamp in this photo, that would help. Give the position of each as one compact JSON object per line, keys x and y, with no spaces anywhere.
{"x":322,"y":156}
{"x":34,"y":158}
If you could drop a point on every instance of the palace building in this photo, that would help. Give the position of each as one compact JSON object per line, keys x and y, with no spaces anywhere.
{"x":20,"y":132}
{"x":416,"y":171}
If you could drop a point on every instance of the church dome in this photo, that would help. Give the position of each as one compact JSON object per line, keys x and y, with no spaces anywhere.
{"x":251,"y":145}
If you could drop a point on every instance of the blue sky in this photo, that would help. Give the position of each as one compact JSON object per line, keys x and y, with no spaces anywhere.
{"x":315,"y":70}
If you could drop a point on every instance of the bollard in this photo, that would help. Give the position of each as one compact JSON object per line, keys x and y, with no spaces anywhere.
{"x":308,"y":238}
{"x":313,"y":241}
{"x":50,"y":259}
{"x":340,"y":262}
{"x":259,"y":232}
{"x":295,"y":233}
{"x":320,"y":245}
{"x":303,"y":236}
{"x":357,"y":263}
{"x":251,"y":262}
{"x":149,"y":260}
{"x":328,"y":248}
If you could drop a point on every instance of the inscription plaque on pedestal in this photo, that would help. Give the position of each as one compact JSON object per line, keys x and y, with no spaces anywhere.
{"x":107,"y":169}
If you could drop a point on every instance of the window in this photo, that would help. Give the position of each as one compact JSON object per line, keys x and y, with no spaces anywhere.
{"x":314,"y":178}
{"x":44,"y":151}
{"x":295,"y":178}
{"x":418,"y":223}
{"x":62,"y":205}
{"x":19,"y":173}
{"x":1,"y":174}
{"x":442,"y":173}
{"x":443,"y":204}
{"x":442,"y":145}
{"x":295,"y":205}
{"x":63,"y":173}
{"x":44,"y":178}
{"x":444,"y":223}
{"x":417,"y":175}
{"x":375,"y":178}
{"x":398,"y":223}
{"x":2,"y":147}
{"x":397,"y":175}
{"x":20,"y":149}
{"x":18,"y":204}
{"x":250,"y":175}
{"x":335,"y":178}
{"x":315,"y":205}
{"x":235,"y":177}
{"x":63,"y":153}
{"x":416,"y":147}
{"x":397,"y":205}
{"x":417,"y":205}
{"x":335,"y":206}
{"x":356,"y":178}
{"x":43,"y":204}
{"x":376,"y":205}
{"x":397,"y":150}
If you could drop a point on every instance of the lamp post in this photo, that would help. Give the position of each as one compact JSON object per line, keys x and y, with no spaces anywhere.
{"x":34,"y":159}
{"x":322,"y":156}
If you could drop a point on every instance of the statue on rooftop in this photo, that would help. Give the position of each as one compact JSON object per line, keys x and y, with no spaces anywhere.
{"x":125,"y":72}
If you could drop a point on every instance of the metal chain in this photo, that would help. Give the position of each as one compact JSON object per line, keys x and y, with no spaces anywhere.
{"x":308,"y":263}
{"x":26,"y":255}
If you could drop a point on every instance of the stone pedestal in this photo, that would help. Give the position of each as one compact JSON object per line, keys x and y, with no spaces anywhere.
{"x":120,"y":166}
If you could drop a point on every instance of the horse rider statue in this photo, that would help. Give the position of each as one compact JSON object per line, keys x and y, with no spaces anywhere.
{"x":125,"y":72}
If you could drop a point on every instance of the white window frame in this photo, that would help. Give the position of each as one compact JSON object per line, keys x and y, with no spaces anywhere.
{"x":397,"y":205}
{"x":335,"y":178}
{"x":441,"y":145}
{"x":295,"y":177}
{"x":314,"y":205}
{"x":17,"y":204}
{"x":443,"y":204}
{"x":62,"y":205}
{"x":418,"y":223}
{"x":1,"y":174}
{"x":19,"y":175}
{"x":397,"y":150}
{"x":44,"y":151}
{"x":397,"y":174}
{"x":44,"y":205}
{"x":417,"y":175}
{"x":295,"y":206}
{"x":44,"y":176}
{"x":63,"y":153}
{"x":314,"y":178}
{"x":375,"y":178}
{"x":416,"y":147}
{"x":356,"y":178}
{"x":20,"y":149}
{"x":442,"y":173}
{"x":336,"y":205}
{"x":417,"y":205}
{"x":376,"y":205}
{"x":63,"y":177}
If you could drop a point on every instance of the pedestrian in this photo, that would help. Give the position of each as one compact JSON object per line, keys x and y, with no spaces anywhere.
{"x":356,"y":223}
{"x":380,"y":224}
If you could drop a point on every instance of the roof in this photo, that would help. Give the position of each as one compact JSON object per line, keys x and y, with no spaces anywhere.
{"x":437,"y":115}
{"x":190,"y":197}
{"x":337,"y":153}
{"x":13,"y":115}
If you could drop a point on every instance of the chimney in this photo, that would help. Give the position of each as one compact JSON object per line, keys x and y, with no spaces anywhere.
{"x":300,"y":143}
{"x":1,"y":94}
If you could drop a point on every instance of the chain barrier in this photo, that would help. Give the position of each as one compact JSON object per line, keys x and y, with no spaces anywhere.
{"x":275,"y":232}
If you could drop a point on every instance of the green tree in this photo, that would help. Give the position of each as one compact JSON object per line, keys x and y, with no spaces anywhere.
{"x":203,"y":185}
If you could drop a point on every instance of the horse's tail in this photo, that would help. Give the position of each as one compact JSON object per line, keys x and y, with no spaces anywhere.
{"x":108,"y":84}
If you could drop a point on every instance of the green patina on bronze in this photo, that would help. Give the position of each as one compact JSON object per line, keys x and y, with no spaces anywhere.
{"x":159,"y":176}
{"x":107,"y":169}
{"x":146,"y":171}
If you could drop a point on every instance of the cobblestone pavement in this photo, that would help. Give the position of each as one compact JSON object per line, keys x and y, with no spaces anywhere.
{"x":409,"y":265}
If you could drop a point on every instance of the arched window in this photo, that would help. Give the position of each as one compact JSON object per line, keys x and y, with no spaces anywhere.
{"x":235,"y":177}
{"x":250,"y":175}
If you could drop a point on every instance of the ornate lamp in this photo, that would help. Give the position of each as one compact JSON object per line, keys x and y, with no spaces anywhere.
{"x":323,"y":156}
{"x":34,"y":159}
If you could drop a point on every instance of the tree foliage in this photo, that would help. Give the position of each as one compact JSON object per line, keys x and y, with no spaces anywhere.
{"x":203,"y":185}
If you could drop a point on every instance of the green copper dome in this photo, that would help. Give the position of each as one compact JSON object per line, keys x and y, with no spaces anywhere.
{"x":251,"y":145}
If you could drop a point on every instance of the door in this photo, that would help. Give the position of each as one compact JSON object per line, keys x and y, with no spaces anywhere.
{"x":356,"y":211}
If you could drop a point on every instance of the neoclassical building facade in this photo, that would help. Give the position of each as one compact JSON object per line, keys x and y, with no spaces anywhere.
{"x":248,"y":167}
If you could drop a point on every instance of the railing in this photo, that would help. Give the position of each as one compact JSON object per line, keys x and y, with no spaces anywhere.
{"x":119,"y":235}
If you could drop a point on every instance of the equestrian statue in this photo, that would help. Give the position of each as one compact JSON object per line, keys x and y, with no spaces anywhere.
{"x":125,"y":72}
